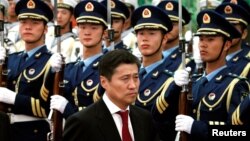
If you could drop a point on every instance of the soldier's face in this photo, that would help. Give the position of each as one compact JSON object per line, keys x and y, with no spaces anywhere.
{"x":211,"y":47}
{"x":123,"y":86}
{"x":149,"y":41}
{"x":32,"y":31}
{"x":237,"y":42}
{"x":11,"y":8}
{"x":118,"y":26}
{"x":90,"y":35}
{"x":64,"y":17}
{"x":173,"y":35}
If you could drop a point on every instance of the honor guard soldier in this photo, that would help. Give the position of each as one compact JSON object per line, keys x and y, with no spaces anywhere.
{"x":4,"y":118}
{"x":119,"y":14}
{"x":217,"y":92}
{"x":237,"y":58}
{"x":12,"y":26}
{"x":27,"y":93}
{"x":246,"y":6}
{"x":157,"y":92}
{"x":4,"y":6}
{"x":65,"y":11}
{"x":171,"y":51}
{"x":82,"y":78}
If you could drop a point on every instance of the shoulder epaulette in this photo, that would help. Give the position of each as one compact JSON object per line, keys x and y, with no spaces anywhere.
{"x":236,"y":76}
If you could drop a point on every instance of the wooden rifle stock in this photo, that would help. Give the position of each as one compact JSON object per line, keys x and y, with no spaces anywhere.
{"x":183,"y":110}
{"x":3,"y":67}
{"x":57,"y":117}
{"x":183,"y":97}
{"x":58,"y":88}
{"x":56,"y":120}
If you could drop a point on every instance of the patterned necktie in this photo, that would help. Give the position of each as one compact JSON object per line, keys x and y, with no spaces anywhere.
{"x":125,"y":131}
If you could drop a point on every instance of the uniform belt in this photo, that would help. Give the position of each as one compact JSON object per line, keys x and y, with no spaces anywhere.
{"x":14,"y":118}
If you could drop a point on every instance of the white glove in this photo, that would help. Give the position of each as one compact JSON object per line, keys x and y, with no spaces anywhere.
{"x":2,"y":53}
{"x":181,"y":77}
{"x":7,"y":96}
{"x":183,"y":123}
{"x":196,"y":50}
{"x":56,"y":62}
{"x":58,"y":103}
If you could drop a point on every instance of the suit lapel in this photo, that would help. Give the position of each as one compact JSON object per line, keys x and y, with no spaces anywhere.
{"x":137,"y":124}
{"x":106,"y":123}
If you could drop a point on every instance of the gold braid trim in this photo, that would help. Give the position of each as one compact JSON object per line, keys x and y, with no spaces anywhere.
{"x":230,"y":92}
{"x":155,"y":94}
{"x":74,"y":94}
{"x":245,"y":71}
{"x":224,"y":93}
{"x":161,"y":103}
{"x":38,"y":108}
{"x":236,"y":117}
{"x":44,"y":92}
{"x":96,"y":95}
{"x":43,"y":112}
{"x":199,"y":111}
{"x":33,"y":106}
{"x":88,"y":90}
{"x":31,"y":79}
{"x":17,"y":83}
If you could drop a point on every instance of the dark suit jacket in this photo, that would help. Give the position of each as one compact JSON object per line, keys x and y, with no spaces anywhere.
{"x":4,"y":127}
{"x":95,"y":123}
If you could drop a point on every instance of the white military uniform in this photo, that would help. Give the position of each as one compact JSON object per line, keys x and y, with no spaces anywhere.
{"x":128,"y":36}
{"x":67,"y":39}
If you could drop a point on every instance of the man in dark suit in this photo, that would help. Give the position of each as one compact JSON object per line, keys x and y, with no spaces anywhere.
{"x":101,"y":121}
{"x":4,"y":127}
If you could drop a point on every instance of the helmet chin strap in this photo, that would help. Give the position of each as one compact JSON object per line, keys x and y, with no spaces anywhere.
{"x":224,"y":42}
{"x":158,"y":47}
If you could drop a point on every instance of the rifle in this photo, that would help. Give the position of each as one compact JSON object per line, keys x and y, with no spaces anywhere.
{"x":189,"y":43}
{"x":3,"y":67}
{"x":111,"y":31}
{"x":55,"y":117}
{"x":196,"y":55}
{"x":183,"y":98}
